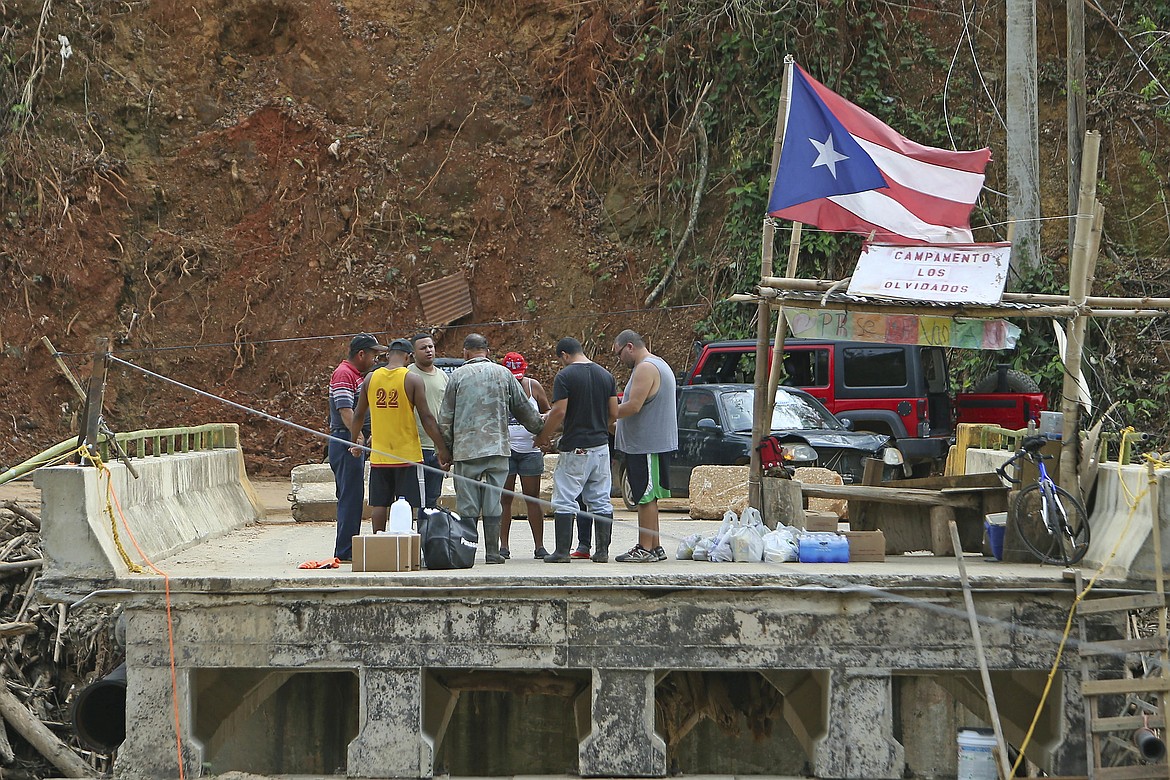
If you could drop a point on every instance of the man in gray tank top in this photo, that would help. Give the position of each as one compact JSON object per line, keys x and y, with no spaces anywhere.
{"x":647,"y":434}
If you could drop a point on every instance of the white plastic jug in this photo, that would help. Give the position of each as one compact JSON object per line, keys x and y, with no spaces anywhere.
{"x":400,"y":517}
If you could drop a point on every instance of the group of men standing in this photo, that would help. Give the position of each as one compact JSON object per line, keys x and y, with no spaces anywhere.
{"x":422,"y":423}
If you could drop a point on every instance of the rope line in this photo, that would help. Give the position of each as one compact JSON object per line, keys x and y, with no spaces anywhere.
{"x":111,"y":496}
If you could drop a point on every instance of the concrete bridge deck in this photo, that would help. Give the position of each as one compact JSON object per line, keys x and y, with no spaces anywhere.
{"x":860,"y":670}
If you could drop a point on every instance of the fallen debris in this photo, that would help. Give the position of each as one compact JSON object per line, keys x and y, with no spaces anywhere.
{"x":45,"y":660}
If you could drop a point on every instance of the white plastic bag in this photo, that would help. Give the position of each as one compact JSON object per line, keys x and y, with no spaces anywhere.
{"x":747,"y":541}
{"x":686,"y":547}
{"x":781,"y":545}
{"x":702,"y":551}
{"x":721,"y":548}
{"x":747,"y":546}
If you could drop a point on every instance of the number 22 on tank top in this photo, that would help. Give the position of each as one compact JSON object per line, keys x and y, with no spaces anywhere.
{"x":384,"y":399}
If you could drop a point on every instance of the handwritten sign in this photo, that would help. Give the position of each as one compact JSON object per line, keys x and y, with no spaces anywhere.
{"x":967,"y":273}
{"x":837,"y":325}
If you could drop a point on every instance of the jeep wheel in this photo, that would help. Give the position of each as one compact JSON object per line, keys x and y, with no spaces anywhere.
{"x":627,"y":491}
{"x":1016,"y":381}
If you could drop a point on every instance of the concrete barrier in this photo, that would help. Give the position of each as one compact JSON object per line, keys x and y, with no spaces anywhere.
{"x":178,"y":501}
{"x":1123,"y":518}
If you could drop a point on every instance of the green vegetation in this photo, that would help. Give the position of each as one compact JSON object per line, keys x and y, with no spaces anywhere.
{"x":935,"y":78}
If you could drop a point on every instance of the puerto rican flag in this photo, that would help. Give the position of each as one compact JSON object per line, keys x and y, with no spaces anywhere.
{"x":842,"y":169}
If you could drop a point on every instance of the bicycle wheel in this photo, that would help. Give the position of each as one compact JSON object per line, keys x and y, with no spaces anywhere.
{"x":1052,"y":523}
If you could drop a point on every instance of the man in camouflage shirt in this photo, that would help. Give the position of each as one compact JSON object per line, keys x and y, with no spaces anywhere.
{"x":481,"y":396}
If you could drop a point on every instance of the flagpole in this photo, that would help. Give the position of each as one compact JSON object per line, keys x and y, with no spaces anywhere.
{"x":761,"y":416}
{"x":778,"y":340}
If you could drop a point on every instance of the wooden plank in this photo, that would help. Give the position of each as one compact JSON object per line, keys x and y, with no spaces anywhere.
{"x":871,"y":476}
{"x":1135,"y":772}
{"x":1125,"y":723}
{"x":982,"y":479}
{"x":942,"y":518}
{"x":1145,"y":644}
{"x":890,"y":495}
{"x":1128,"y":685}
{"x":1121,"y":603}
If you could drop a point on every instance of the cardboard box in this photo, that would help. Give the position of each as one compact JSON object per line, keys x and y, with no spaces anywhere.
{"x":387,"y":552}
{"x":866,"y":546}
{"x":820,"y":521}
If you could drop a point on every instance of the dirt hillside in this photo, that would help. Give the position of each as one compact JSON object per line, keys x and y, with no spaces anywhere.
{"x":257,"y":171}
{"x":228,"y":188}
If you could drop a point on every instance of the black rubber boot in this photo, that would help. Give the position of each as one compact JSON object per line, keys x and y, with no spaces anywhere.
{"x":563,"y":533}
{"x":491,"y":540}
{"x":602,"y":533}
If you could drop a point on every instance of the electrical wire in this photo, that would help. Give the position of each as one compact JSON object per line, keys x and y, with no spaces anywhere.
{"x":425,"y":328}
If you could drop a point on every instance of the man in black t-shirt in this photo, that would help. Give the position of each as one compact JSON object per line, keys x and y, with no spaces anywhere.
{"x":585,"y":404}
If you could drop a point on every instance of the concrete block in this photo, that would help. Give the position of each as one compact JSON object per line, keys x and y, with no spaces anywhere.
{"x":716,"y":489}
{"x":314,"y":494}
{"x":311,"y":472}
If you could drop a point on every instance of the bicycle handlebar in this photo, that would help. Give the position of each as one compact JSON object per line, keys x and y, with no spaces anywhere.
{"x":1002,"y":470}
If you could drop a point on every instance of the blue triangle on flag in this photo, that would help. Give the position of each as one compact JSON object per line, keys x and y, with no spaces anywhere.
{"x":819,"y":157}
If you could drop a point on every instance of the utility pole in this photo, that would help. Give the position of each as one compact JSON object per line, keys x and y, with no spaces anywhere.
{"x":1075,"y":92}
{"x":92,"y":415}
{"x":1023,"y":155}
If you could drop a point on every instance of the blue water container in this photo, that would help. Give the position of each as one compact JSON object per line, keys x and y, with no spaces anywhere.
{"x":823,"y":548}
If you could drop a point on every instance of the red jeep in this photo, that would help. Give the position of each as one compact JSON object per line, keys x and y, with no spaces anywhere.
{"x":901,"y":390}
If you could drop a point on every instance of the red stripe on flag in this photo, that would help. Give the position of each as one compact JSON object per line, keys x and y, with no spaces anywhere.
{"x":865,"y":125}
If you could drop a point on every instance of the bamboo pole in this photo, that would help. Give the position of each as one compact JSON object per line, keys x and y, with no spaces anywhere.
{"x":1091,"y":301}
{"x":764,"y":311}
{"x":1078,"y":280}
{"x":20,"y":469}
{"x":943,"y":310}
{"x":1002,"y":765}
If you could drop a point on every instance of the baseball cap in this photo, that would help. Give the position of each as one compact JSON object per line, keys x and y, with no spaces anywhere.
{"x":515,"y":363}
{"x":401,"y":345}
{"x":365,"y":341}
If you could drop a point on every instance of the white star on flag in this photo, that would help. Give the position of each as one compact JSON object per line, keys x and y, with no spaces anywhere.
{"x":827,"y":155}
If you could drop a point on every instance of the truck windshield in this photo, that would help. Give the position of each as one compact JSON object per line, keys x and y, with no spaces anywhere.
{"x":792,"y":412}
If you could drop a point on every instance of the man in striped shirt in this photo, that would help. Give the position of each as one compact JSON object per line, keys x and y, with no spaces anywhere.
{"x":349,"y":472}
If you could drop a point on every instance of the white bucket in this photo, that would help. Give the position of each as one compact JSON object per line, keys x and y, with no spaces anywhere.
{"x":976,"y":759}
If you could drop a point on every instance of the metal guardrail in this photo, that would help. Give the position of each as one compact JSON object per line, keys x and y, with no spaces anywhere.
{"x":1124,"y":443}
{"x":169,"y":441}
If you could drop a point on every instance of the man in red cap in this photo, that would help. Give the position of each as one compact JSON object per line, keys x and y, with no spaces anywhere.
{"x":526,"y":460}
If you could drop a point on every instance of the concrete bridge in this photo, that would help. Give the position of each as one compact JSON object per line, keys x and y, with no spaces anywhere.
{"x":860,"y":670}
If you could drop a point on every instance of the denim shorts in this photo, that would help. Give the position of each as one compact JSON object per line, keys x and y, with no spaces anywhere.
{"x":526,"y":464}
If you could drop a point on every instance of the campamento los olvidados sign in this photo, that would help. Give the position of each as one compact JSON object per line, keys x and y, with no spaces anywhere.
{"x":944,"y":273}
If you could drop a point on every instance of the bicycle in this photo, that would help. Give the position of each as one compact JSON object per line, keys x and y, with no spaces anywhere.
{"x":1051,"y":522}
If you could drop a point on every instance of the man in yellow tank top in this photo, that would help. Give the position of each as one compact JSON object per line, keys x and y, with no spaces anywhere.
{"x":393,"y":395}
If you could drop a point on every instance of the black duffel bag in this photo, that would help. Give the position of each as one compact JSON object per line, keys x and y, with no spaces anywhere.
{"x":448,"y":541}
